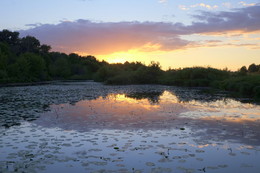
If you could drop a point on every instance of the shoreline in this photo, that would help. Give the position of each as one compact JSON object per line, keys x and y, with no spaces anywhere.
{"x":39,"y":83}
{"x":24,"y":84}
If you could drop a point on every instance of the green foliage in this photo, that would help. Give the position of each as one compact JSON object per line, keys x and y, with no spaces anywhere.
{"x":253,"y":68}
{"x":3,"y":57}
{"x":44,"y":49}
{"x":245,"y":85}
{"x":29,"y":67}
{"x":8,"y":37}
{"x":150,"y":74}
{"x":23,"y":69}
{"x":243,"y":69}
{"x":37,"y":66}
{"x":60,"y":68}
{"x":26,"y":60}
{"x":106,"y":72}
{"x":129,"y":73}
{"x":194,"y":77}
{"x":121,"y":79}
{"x":29,"y":44}
{"x":4,"y":53}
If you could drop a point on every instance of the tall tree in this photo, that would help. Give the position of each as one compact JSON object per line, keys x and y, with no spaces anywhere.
{"x":30,"y":44}
{"x":11,"y":38}
{"x":45,"y":48}
{"x":243,"y":69}
{"x":253,"y":68}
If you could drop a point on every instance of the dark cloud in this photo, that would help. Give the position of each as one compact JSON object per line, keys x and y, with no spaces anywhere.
{"x":242,"y":19}
{"x":108,"y":37}
{"x":215,"y":43}
{"x":34,"y":24}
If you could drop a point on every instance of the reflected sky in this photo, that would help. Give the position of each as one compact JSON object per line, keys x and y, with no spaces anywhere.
{"x":114,"y":111}
{"x":96,"y":128}
{"x":224,"y":119}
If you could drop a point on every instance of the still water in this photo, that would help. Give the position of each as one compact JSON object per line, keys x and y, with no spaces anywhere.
{"x":90,"y":127}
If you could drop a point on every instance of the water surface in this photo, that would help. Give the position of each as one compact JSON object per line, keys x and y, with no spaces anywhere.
{"x":90,"y":127}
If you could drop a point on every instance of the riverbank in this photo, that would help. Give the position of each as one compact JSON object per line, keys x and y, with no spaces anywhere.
{"x":40,"y":83}
{"x":25,"y":84}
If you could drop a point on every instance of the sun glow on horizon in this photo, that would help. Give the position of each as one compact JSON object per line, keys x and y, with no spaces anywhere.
{"x":122,"y":57}
{"x":227,"y":56}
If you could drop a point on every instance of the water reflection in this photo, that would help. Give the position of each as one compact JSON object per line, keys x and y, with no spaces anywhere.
{"x":113,"y":111}
{"x":204,"y":95}
{"x":25,"y":103}
{"x":89,"y":127}
{"x":219,"y":120}
{"x":153,"y":97}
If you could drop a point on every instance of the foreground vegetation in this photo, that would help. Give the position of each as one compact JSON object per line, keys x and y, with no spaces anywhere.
{"x":26,"y":60}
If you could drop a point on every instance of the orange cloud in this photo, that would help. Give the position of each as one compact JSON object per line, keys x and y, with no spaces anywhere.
{"x":204,"y":5}
{"x":246,"y":5}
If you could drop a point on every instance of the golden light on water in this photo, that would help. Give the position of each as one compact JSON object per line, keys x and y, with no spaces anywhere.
{"x":122,"y":109}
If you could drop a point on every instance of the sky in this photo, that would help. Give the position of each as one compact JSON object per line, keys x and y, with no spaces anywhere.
{"x":176,"y":33}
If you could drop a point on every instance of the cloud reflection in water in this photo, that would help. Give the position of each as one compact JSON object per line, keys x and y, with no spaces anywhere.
{"x":218,"y":120}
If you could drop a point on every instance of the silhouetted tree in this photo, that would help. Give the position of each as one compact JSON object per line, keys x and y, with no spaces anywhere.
{"x":243,"y":69}
{"x":30,"y":44}
{"x":3,"y":61}
{"x":11,"y":38}
{"x":45,"y":48}
{"x":253,"y":68}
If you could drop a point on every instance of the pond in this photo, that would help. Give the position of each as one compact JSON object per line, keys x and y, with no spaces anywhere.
{"x":91,"y":127}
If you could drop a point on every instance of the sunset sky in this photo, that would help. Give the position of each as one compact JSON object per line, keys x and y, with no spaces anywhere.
{"x":176,"y":33}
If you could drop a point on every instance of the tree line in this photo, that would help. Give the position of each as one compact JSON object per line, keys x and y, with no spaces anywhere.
{"x":27,"y":60}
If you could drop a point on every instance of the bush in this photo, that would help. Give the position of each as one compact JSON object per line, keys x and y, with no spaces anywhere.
{"x":245,"y":85}
{"x":122,"y":79}
{"x":194,"y":77}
